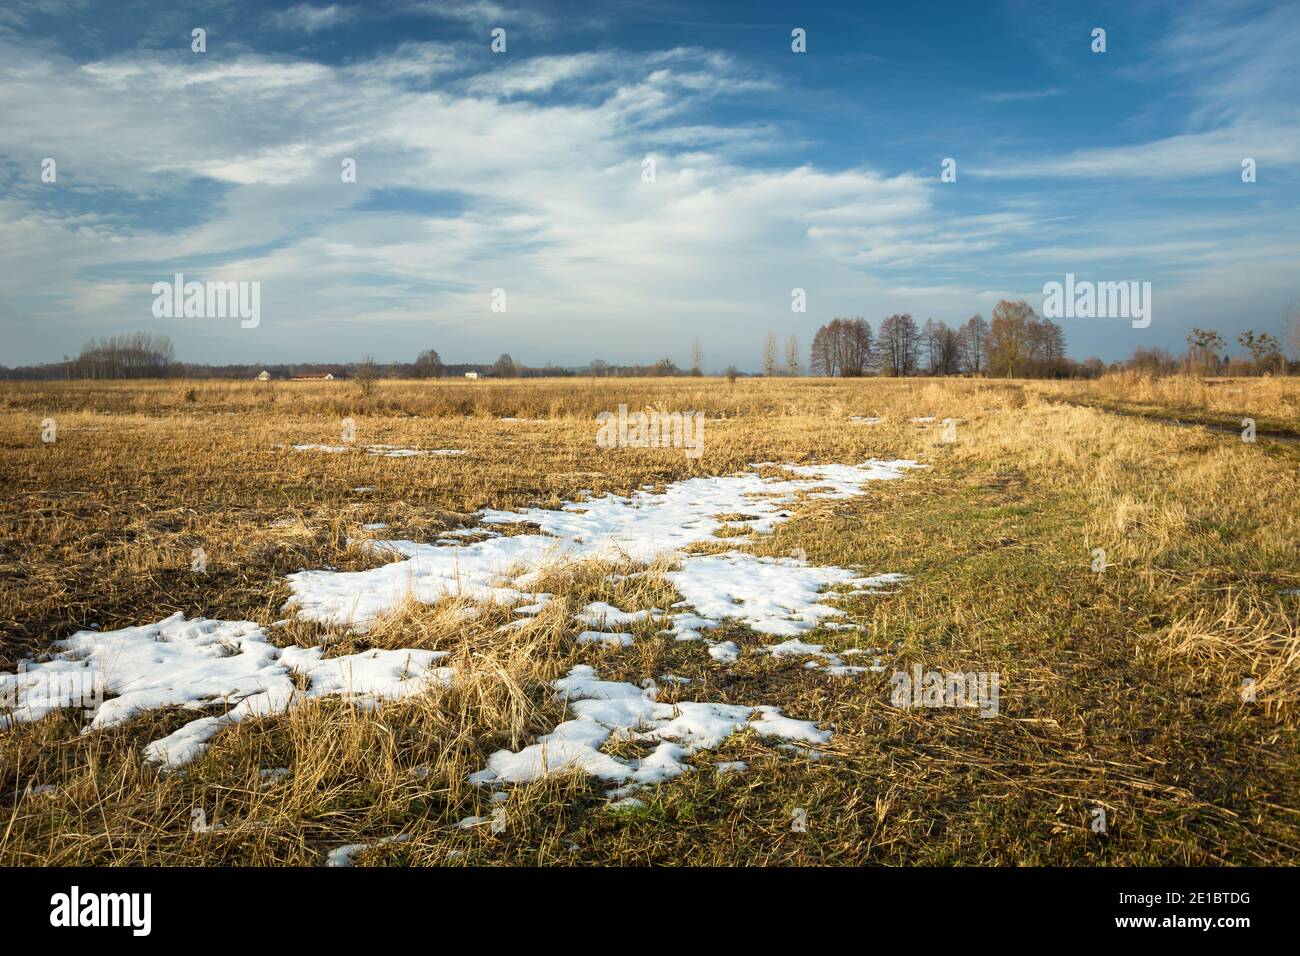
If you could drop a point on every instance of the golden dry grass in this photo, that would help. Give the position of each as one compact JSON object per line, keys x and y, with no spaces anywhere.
{"x":1120,"y":690}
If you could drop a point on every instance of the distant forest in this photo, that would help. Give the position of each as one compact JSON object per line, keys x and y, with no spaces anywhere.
{"x":1015,"y":344}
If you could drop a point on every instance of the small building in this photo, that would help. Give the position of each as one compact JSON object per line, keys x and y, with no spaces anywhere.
{"x":327,"y":377}
{"x":264,"y":376}
{"x":471,"y":374}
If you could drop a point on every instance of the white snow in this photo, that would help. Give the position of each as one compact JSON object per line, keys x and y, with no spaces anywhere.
{"x":332,"y":449}
{"x":342,"y":856}
{"x":202,"y":664}
{"x":772,"y":595}
{"x":600,"y":637}
{"x":724,"y":652}
{"x":834,"y":663}
{"x":611,"y":709}
{"x":207,"y":663}
{"x":639,"y":527}
{"x":601,"y":614}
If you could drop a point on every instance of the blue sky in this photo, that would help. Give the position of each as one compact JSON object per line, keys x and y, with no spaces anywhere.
{"x":522,"y":170}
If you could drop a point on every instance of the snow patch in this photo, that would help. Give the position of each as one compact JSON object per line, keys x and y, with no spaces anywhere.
{"x":640,"y":527}
{"x":205,"y":663}
{"x":605,"y":710}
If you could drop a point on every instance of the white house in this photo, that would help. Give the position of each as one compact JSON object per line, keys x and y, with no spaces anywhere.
{"x":264,"y":376}
{"x":471,"y":374}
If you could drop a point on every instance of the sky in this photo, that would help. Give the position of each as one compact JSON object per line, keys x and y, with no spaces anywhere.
{"x":526,"y":171}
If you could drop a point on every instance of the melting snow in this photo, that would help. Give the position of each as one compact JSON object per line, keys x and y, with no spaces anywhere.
{"x":203,"y":663}
{"x":639,"y":527}
{"x":834,"y":663}
{"x":772,"y":595}
{"x":342,"y":856}
{"x":601,"y":614}
{"x":600,"y":637}
{"x":611,"y":709}
{"x":724,"y":652}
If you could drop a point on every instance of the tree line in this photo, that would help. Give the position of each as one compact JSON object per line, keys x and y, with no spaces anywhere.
{"x":1206,"y":354}
{"x":138,"y":355}
{"x":1017,"y":342}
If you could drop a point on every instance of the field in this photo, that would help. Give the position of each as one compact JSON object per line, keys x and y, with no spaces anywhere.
{"x":1146,"y":709}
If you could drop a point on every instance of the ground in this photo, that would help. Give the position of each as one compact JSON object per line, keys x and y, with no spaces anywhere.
{"x":1161,"y":690}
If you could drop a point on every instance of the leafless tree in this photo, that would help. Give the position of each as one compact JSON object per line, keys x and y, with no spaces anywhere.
{"x":823,"y":356}
{"x":856,"y":347}
{"x":930,"y":346}
{"x":365,"y":375}
{"x":899,"y":345}
{"x":974,"y":341}
{"x":139,"y":355}
{"x":429,"y":365}
{"x":1009,"y":336}
{"x":947,"y":351}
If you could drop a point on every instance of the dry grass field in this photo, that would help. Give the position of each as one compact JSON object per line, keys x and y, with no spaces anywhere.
{"x":1120,"y":690}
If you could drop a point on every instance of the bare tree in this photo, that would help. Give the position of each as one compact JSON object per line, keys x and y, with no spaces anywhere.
{"x":1203,"y":349}
{"x":930,"y":346}
{"x":823,"y":355}
{"x":365,"y":375}
{"x":139,"y":355}
{"x":697,"y":358}
{"x":792,"y":356}
{"x":947,"y":351}
{"x":974,"y":341}
{"x":429,"y":365}
{"x":769,"y":354}
{"x":899,"y":345}
{"x":1053,"y":346}
{"x":856,"y":347}
{"x":1009,"y":336}
{"x":1153,"y":361}
{"x":1265,"y":351}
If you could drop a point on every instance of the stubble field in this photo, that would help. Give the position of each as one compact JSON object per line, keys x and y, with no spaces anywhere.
{"x":1160,"y":691}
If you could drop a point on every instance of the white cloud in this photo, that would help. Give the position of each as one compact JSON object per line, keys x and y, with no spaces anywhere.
{"x":312,"y":19}
{"x":526,"y":174}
